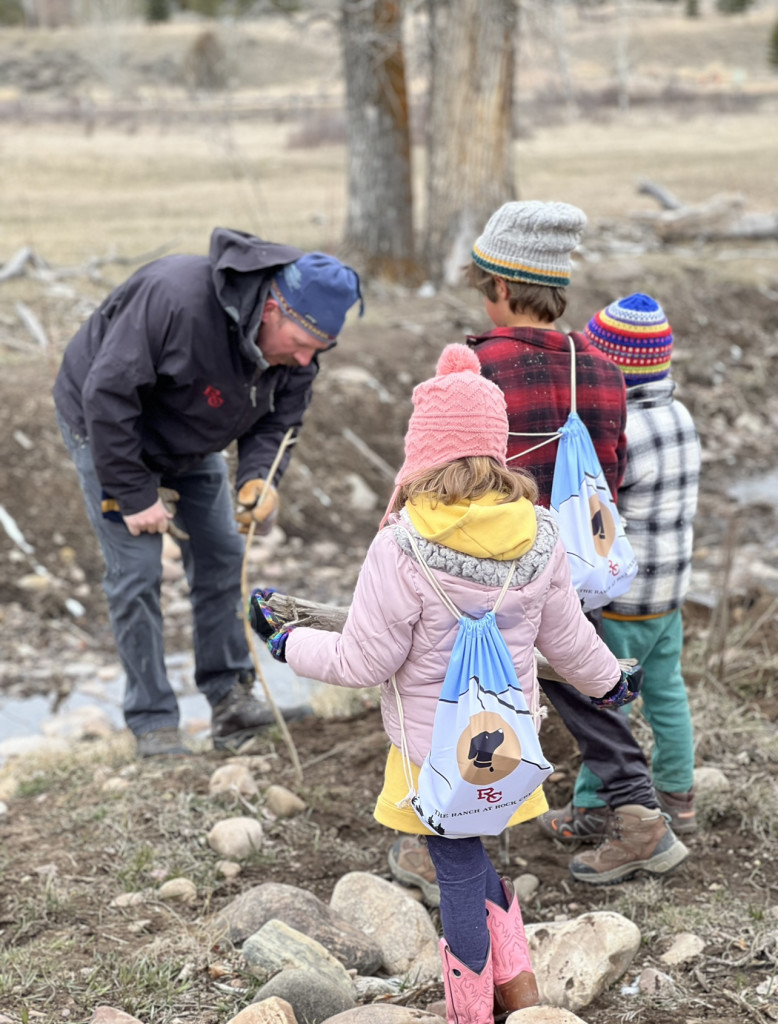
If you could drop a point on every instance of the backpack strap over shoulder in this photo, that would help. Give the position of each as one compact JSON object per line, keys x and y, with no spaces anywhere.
{"x":555,"y":435}
{"x":433,"y":582}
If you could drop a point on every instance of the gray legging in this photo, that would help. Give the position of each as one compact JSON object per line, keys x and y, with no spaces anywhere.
{"x":133,"y":575}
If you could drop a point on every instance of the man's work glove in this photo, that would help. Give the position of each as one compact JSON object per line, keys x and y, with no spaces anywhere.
{"x":625,"y":690}
{"x":169,"y":497}
{"x":267,"y":624}
{"x":249,"y":509}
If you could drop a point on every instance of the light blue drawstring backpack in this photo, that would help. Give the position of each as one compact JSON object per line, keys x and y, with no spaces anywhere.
{"x":485,"y":759}
{"x":602,"y":562}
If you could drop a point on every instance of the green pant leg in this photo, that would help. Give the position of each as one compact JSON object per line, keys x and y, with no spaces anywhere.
{"x":666,"y":706}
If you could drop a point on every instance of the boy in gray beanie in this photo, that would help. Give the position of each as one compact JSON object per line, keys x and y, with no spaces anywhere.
{"x":522,"y":263}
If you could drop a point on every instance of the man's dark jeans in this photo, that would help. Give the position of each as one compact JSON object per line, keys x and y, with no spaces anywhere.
{"x":133,"y":575}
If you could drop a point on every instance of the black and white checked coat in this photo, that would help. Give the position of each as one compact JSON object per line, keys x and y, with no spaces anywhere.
{"x":658,"y":498}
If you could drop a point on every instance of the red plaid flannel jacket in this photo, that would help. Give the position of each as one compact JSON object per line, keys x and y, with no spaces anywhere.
{"x":532,"y":367}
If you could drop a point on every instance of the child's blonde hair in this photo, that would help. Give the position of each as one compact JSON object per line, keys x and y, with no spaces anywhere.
{"x":469,"y":478}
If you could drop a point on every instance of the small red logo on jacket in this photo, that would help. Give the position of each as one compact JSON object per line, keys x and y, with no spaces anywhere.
{"x":214,"y":397}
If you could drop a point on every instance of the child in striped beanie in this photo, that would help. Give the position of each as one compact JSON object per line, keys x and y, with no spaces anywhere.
{"x":635,"y":335}
{"x":657,"y":501}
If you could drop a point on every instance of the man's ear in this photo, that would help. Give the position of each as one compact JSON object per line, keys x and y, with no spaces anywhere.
{"x":270,"y":306}
{"x":501,"y":287}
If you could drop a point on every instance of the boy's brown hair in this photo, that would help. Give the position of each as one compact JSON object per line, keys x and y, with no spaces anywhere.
{"x":542,"y":301}
{"x":469,"y":478}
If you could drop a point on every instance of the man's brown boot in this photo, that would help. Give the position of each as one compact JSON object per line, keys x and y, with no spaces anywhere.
{"x":638,"y":839}
{"x":410,"y":863}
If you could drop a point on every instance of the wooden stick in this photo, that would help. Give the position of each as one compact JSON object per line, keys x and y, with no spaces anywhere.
{"x":332,"y":618}
{"x":288,"y":439}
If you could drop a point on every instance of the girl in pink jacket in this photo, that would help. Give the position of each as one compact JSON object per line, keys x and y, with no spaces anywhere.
{"x":470,"y":518}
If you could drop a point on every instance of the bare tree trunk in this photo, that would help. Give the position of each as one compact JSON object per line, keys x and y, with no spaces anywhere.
{"x":469,"y":136}
{"x":622,"y":54}
{"x":379,"y":225}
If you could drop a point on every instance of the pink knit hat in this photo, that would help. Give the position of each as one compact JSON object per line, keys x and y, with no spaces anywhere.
{"x":457,"y":413}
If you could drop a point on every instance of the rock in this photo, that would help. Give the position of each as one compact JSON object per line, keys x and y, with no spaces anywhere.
{"x":129,"y":899}
{"x":28,"y":746}
{"x":232,"y":778}
{"x":368,"y":989}
{"x":653,"y":982}
{"x":109,"y":1015}
{"x":228,"y":869}
{"x":575,"y":961}
{"x":236,"y":838}
{"x":685,"y":947}
{"x":84,"y":723}
{"x":400,"y":927}
{"x":34,"y":582}
{"x":3,"y":808}
{"x":313,"y":997}
{"x":115,"y":785}
{"x":384,"y":1014}
{"x":543,"y":1015}
{"x":270,"y":1011}
{"x":182,"y":890}
{"x":710,"y":780}
{"x":307,"y":914}
{"x":283,"y":802}
{"x":277,"y":947}
{"x":525,"y":886}
{"x":362,"y":497}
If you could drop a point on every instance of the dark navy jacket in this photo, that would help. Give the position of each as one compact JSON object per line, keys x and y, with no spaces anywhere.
{"x":167,"y":370}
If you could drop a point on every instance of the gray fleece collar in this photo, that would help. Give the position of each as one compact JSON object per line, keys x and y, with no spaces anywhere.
{"x":488,"y":571}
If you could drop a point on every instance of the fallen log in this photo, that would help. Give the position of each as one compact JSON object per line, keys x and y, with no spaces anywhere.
{"x":331,"y":618}
{"x":723,"y":217}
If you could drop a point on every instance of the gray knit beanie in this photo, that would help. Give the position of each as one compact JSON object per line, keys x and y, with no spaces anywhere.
{"x":531,"y":242}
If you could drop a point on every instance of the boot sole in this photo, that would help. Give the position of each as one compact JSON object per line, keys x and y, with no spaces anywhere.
{"x":661,"y":864}
{"x":237,"y":739}
{"x":430,"y":890}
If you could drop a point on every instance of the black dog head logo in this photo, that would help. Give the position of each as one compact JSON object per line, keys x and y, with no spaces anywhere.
{"x":482,"y":747}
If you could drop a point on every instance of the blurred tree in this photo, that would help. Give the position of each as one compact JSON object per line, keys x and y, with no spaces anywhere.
{"x":205,"y":64}
{"x":469,"y":126}
{"x":379,"y":220}
{"x":157,"y":10}
{"x":733,"y":6}
{"x":692,"y":8}
{"x":772,"y":55}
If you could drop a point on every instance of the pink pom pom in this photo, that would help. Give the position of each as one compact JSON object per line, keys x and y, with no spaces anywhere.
{"x":457,"y":359}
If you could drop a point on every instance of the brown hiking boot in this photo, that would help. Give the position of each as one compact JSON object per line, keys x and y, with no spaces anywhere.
{"x":638,"y":839}
{"x":574,"y":824}
{"x":680,"y":808}
{"x":239,"y":716}
{"x":410,"y":863}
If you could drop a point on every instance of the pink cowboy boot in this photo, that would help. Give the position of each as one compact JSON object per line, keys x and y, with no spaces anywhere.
{"x":469,"y":996}
{"x":514,"y":980}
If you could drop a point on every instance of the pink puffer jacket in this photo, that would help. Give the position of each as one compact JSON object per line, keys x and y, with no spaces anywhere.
{"x":398,"y":624}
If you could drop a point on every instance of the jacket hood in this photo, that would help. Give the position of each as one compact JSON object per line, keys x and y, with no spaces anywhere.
{"x":651,"y":394}
{"x":482,"y":528}
{"x":242,"y":268}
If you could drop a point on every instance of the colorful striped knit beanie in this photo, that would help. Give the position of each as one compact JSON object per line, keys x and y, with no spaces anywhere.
{"x":635,"y":335}
{"x":456,"y":414}
{"x":531,"y":242}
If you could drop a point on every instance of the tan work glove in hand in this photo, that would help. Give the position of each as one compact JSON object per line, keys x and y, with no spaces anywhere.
{"x":169,"y":497}
{"x":263,"y":515}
